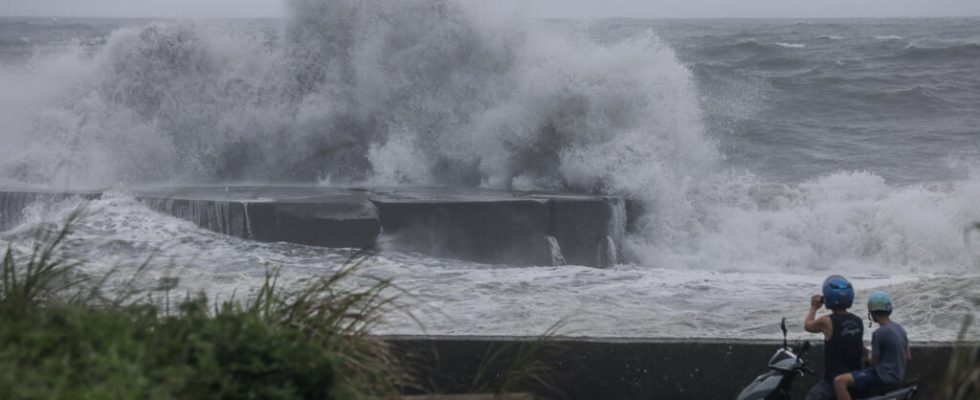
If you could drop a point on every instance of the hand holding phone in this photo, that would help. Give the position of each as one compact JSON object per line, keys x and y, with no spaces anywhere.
{"x":816,"y":301}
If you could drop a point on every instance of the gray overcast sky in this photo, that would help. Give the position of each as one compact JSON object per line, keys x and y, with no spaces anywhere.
{"x":545,"y":8}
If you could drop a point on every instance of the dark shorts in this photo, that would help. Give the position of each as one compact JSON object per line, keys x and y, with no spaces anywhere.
{"x":865,"y":379}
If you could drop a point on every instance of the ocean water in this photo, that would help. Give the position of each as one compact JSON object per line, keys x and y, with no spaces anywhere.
{"x":767,"y":153}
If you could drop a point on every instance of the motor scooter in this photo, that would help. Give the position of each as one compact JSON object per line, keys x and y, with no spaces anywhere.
{"x":788,"y":364}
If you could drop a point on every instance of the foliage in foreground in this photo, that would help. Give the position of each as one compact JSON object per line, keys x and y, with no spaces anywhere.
{"x":522,"y":365}
{"x":62,"y":337}
{"x":133,"y":352}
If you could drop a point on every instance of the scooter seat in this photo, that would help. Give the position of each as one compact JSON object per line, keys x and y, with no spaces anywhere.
{"x":881,"y":390}
{"x":877,"y":391}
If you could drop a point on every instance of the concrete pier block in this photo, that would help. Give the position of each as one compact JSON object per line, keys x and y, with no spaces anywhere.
{"x":498,"y":232}
{"x":583,"y":227}
{"x":335,"y":224}
{"x":480,"y":225}
{"x":326,"y":217}
{"x":500,"y":227}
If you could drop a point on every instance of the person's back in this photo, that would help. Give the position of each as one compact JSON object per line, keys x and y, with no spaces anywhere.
{"x":890,"y":353}
{"x":844,"y":350}
{"x":843,"y":334}
{"x":889,"y":346}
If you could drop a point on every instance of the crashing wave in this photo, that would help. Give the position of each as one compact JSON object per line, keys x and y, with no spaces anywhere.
{"x":791,"y":45}
{"x":432,"y":92}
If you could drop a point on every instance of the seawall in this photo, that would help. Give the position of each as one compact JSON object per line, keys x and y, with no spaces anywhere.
{"x":609,"y":368}
{"x":480,"y":225}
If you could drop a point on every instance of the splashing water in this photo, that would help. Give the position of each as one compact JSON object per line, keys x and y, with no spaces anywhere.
{"x":432,"y":92}
{"x":380,"y":92}
{"x":609,"y":253}
{"x":557,"y":258}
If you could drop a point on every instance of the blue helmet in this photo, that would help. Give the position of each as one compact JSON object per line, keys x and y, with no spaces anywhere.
{"x":880,"y":301}
{"x":837,"y":292}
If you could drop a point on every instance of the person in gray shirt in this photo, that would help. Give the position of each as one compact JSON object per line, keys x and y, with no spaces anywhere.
{"x":890,"y":353}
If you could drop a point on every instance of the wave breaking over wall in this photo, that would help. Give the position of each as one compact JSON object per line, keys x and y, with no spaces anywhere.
{"x":434,"y":92}
{"x":416,"y":92}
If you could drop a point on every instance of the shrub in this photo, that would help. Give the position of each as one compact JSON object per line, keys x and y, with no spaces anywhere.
{"x":61,"y":337}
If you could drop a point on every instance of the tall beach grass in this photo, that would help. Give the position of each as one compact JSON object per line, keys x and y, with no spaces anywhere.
{"x":66,"y":335}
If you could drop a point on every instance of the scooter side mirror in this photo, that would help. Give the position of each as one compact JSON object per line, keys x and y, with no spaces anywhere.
{"x":782,"y":325}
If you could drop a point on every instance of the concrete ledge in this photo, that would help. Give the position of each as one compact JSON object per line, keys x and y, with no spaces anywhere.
{"x":487,"y":226}
{"x":504,"y":231}
{"x":629,"y":368}
{"x":336,"y":219}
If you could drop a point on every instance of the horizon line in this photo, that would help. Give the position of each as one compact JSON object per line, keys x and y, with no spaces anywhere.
{"x":552,"y":17}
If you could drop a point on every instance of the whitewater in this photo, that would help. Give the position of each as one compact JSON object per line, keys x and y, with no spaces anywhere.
{"x":766,"y":154}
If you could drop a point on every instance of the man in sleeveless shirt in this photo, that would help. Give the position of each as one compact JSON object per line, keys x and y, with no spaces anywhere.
{"x":843,"y":334}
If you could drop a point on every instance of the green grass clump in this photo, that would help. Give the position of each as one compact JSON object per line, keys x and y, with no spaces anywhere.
{"x":62,"y":337}
{"x":135,"y":353}
{"x":523,"y":366}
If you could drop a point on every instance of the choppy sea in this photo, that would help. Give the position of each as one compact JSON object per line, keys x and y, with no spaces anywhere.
{"x":768,"y":153}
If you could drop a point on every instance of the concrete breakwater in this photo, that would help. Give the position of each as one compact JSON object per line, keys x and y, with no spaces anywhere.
{"x":488,"y":226}
{"x":612,"y":369}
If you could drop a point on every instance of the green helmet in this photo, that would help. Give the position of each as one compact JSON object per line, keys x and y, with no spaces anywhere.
{"x":880,"y":301}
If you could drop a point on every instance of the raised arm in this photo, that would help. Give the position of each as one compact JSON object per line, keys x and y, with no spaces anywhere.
{"x":813,"y":324}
